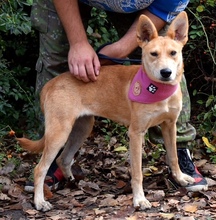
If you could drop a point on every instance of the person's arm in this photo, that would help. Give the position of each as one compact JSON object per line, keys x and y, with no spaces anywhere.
{"x":82,"y":59}
{"x":128,"y":43}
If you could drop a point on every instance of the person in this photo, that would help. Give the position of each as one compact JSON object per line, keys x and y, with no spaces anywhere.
{"x":64,"y":46}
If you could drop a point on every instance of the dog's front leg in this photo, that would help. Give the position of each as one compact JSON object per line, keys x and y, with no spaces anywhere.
{"x":169,"y":135}
{"x":139,"y":200}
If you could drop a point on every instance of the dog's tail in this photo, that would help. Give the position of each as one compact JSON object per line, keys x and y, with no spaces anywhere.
{"x":32,"y":146}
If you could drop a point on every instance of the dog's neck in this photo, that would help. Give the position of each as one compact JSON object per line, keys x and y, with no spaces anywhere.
{"x":145,"y":90}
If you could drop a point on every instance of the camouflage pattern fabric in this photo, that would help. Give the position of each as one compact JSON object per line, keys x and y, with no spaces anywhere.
{"x":53,"y":60}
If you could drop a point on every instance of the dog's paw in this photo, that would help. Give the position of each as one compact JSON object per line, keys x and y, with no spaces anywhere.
{"x":141,"y":204}
{"x":185,"y":180}
{"x":43,"y":206}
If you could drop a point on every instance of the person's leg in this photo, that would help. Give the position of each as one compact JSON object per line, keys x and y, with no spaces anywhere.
{"x":185,"y":133}
{"x":52,"y":61}
{"x":54,"y":46}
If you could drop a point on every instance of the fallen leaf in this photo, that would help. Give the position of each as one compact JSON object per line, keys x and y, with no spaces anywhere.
{"x":209,"y":194}
{"x":16,"y":206}
{"x":15,"y":191}
{"x":208,"y":144}
{"x":121,"y":148}
{"x":155,"y":195}
{"x":90,"y":200}
{"x":131,"y":218}
{"x":185,"y":198}
{"x":201,"y":163}
{"x":201,"y":203}
{"x":155,"y":204}
{"x":67,"y":191}
{"x":210,"y":182}
{"x":120,"y":184}
{"x":47,"y":192}
{"x":73,"y":193}
{"x":32,"y":211}
{"x":187,"y":218}
{"x":4,"y":197}
{"x":153,"y":168}
{"x":209,"y":169}
{"x":167,"y":215}
{"x":99,"y":211}
{"x":108,"y":202}
{"x":75,"y":203}
{"x":89,"y":187}
{"x":8,"y":168}
{"x":190,"y":208}
{"x":5,"y":180}
{"x":113,"y":141}
{"x":173,"y":202}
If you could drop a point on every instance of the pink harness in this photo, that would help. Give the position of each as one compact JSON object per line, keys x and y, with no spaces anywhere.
{"x":145,"y":90}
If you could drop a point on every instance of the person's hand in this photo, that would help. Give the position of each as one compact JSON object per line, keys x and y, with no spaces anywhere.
{"x":83,"y":62}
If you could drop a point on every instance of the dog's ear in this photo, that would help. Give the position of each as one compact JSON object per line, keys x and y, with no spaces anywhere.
{"x":146,"y":30}
{"x":178,"y":29}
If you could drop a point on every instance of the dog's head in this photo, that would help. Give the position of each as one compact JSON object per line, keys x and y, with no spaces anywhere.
{"x":162,"y":55}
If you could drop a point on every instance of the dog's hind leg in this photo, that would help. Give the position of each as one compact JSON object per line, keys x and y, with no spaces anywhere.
{"x":56,"y":135}
{"x":81,"y":130}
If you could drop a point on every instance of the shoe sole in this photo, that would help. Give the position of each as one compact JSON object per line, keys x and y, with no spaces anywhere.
{"x":30,"y":189}
{"x":197,"y":188}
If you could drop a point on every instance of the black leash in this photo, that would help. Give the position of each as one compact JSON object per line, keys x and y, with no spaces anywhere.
{"x":119,"y":60}
{"x":126,"y":61}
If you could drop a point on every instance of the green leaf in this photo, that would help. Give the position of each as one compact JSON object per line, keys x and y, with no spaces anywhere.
{"x":121,"y":148}
{"x":210,"y":100}
{"x":194,"y":92}
{"x":200,"y":8}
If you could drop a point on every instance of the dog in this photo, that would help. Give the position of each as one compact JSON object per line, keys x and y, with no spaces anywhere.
{"x":69,"y":107}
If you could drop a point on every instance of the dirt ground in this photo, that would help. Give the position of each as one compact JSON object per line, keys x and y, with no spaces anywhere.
{"x":102,"y":188}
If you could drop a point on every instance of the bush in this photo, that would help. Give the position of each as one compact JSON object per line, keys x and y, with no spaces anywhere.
{"x":100,"y":30}
{"x":200,"y":63}
{"x":19,"y":50}
{"x":17,"y":62}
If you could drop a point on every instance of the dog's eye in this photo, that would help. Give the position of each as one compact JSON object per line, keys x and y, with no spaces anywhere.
{"x":154,"y":54}
{"x":173,"y":53}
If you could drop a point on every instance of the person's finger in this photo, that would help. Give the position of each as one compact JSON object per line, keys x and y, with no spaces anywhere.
{"x":83,"y":74}
{"x":74,"y":70}
{"x":97,"y":66}
{"x":90,"y":72}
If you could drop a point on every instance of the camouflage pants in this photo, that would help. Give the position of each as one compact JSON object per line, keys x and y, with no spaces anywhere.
{"x":53,"y":61}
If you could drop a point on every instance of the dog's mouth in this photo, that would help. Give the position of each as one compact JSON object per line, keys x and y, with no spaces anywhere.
{"x":165,"y":79}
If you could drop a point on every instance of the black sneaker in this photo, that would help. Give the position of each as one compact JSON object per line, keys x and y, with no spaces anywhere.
{"x":52,"y":183}
{"x":187,"y":166}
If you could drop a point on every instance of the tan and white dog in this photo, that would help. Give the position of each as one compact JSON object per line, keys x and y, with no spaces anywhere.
{"x":69,"y":107}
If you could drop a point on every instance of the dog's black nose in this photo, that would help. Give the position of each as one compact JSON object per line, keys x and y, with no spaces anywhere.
{"x":165,"y":73}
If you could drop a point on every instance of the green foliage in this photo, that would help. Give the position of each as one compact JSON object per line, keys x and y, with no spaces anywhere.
{"x":207,"y":115}
{"x":100,"y":30}
{"x":112,"y":129}
{"x":13,"y":19}
{"x":200,"y":63}
{"x":17,"y":107}
{"x":201,"y":44}
{"x":16,"y":90}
